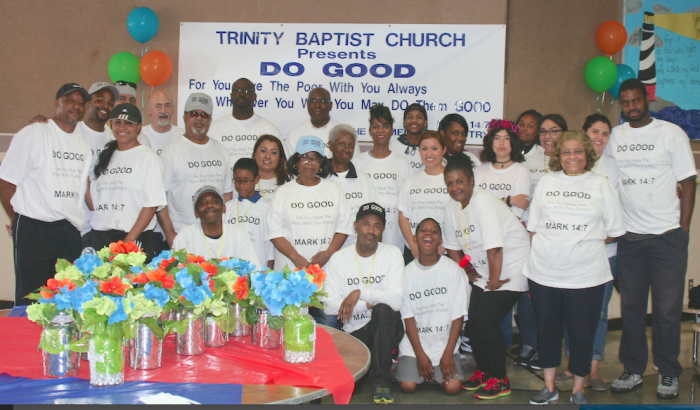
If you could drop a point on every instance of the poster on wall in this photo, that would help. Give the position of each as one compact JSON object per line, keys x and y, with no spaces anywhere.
{"x":663,"y":48}
{"x":446,"y":68}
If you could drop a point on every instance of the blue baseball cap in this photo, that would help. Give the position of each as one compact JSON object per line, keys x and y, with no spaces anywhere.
{"x":310,"y":143}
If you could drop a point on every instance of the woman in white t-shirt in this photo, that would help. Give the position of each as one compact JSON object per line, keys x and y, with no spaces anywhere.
{"x":268,"y":152}
{"x":501,"y":172}
{"x":387,"y":169}
{"x":423,"y":193}
{"x":126,"y":186}
{"x":572,"y":214}
{"x":480,"y":225}
{"x":597,"y":127}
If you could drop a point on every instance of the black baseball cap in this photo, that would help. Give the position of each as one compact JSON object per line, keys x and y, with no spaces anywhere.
{"x":126,"y":111}
{"x":371,"y":208}
{"x":69,"y":88}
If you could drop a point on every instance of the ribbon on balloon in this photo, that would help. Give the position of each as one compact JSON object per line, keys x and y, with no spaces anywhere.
{"x":601,"y":73}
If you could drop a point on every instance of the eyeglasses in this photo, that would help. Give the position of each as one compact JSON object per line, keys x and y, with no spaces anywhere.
{"x":568,"y":152}
{"x":126,"y":83}
{"x":243,"y":181}
{"x":551,"y":132}
{"x":195,"y":114}
{"x":321,"y":101}
{"x":244,"y":90}
{"x":314,"y":160}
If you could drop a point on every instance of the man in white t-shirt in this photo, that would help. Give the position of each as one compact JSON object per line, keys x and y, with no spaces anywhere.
{"x":43,"y":179}
{"x":160,"y":132}
{"x":127,"y":92}
{"x":210,"y":237}
{"x":189,"y":162}
{"x":239,"y":131}
{"x":365,"y":290}
{"x":319,"y":124}
{"x":653,"y":156}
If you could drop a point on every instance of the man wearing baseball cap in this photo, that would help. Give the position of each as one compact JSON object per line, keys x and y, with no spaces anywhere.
{"x":42,"y":188}
{"x":127,"y":92}
{"x":210,"y":237}
{"x":190,"y":161}
{"x":365,"y":290}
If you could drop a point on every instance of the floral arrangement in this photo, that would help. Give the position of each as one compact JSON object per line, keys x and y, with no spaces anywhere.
{"x":496,"y":123}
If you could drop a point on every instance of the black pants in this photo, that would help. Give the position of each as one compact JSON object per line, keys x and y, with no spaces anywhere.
{"x":100,"y":239}
{"x":159,"y":243}
{"x":322,"y":318}
{"x":579,"y":310}
{"x":486,"y":310}
{"x":37,"y":246}
{"x":383,"y":332}
{"x":659,"y":263}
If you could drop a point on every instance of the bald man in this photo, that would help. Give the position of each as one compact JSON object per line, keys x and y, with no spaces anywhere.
{"x":160,"y":132}
{"x":240,"y":130}
{"x":319,"y":124}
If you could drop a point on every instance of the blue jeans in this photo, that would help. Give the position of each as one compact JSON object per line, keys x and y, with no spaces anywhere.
{"x":527,"y":323}
{"x":506,"y":326}
{"x":601,"y":332}
{"x":323,"y":319}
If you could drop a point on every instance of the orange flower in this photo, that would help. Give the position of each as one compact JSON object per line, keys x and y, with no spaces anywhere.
{"x":121,"y":247}
{"x":318,"y":274}
{"x":165,"y":262}
{"x":209,"y":268}
{"x":54,"y":286}
{"x":194,"y":259}
{"x":140,"y":278}
{"x":160,"y":275}
{"x":241,"y":288}
{"x":114,"y":286}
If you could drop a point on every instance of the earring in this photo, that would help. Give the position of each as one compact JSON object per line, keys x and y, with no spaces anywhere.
{"x":320,"y":171}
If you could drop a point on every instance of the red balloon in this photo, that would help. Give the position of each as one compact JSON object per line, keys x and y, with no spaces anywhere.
{"x":155,"y":68}
{"x":611,"y":37}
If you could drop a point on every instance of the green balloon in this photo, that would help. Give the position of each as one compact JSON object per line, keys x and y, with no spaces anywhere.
{"x":601,"y":73}
{"x":124,"y":66}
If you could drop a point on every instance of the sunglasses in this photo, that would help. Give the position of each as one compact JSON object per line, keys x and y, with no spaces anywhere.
{"x":195,"y":114}
{"x":126,"y":83}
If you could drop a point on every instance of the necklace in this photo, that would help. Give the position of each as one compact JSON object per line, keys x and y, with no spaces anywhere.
{"x":369,"y":275}
{"x":223,"y":234}
{"x":503,"y":164}
{"x":597,"y":162}
{"x":466,"y":232}
{"x":575,"y":175}
{"x":238,"y":210}
{"x":544,"y":163}
{"x":260,"y":190}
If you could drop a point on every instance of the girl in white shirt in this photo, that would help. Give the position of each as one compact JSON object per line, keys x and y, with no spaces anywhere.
{"x":423,"y":193}
{"x":572,"y":214}
{"x":126,"y":186}
{"x":268,"y":152}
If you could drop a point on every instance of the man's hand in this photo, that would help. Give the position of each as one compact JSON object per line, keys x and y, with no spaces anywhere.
{"x":300,"y":261}
{"x":448,"y":367}
{"x":473,"y":275}
{"x":346,"y":308}
{"x":321,"y":258}
{"x":425,"y":367}
{"x":38,"y":118}
{"x":493,"y":285}
{"x":521,"y":201}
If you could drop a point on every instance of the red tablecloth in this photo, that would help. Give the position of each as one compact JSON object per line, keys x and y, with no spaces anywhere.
{"x":237,"y":363}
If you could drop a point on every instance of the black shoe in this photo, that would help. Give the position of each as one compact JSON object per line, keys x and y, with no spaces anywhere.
{"x":524,"y":356}
{"x":534,"y":362}
{"x":516,"y":350}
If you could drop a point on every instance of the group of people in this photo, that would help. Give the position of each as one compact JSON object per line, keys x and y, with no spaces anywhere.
{"x":425,"y":245}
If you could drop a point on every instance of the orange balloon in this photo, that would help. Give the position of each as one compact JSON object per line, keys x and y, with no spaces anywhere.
{"x":611,"y":37}
{"x":155,"y":68}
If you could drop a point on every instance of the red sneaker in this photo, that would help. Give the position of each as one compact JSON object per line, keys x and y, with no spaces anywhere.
{"x":494,"y":389}
{"x":477,"y":380}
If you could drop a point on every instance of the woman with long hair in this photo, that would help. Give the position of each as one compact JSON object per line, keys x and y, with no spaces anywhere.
{"x":268,"y":152}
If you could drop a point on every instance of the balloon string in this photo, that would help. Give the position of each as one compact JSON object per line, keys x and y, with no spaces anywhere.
{"x":597,"y":104}
{"x":611,"y":104}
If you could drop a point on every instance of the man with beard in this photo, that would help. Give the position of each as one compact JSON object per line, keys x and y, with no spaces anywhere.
{"x":239,"y":131}
{"x":210,"y":237}
{"x":365,"y":290}
{"x":190,"y":161}
{"x":653,"y":157}
{"x":319,"y":124}
{"x":160,"y":132}
{"x":43,"y":179}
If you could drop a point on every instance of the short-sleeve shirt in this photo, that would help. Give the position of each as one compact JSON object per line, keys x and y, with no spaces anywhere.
{"x":511,"y":181}
{"x":159,"y":140}
{"x":423,"y":196}
{"x":239,"y":136}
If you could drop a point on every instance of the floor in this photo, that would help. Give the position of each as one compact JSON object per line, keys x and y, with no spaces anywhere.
{"x":525,"y":383}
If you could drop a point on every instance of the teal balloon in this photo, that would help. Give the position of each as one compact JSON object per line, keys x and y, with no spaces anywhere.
{"x":624,"y":73}
{"x":600,"y":74}
{"x":124,"y":66}
{"x":142,"y":24}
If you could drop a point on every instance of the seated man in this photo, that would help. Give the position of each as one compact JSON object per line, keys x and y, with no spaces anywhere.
{"x":211,"y":237}
{"x":435,"y":303}
{"x":365,"y":290}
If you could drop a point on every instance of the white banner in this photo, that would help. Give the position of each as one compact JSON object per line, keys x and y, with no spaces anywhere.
{"x":446,"y":68}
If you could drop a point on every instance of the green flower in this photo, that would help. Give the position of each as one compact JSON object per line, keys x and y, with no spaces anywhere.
{"x":102,"y":272}
{"x":142,"y":306}
{"x":72,"y":273}
{"x":35,"y":313}
{"x":131,"y":259}
{"x":104,"y":306}
{"x":229,"y":278}
{"x":104,"y":254}
{"x":216,"y":307}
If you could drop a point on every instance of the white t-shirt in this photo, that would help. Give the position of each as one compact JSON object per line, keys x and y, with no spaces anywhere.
{"x":490,"y":224}
{"x":267,"y":187}
{"x":50,"y":169}
{"x":380,"y":279}
{"x":358,"y":191}
{"x":186,"y":168}
{"x":607,"y":167}
{"x":235,"y":243}
{"x":651,"y":160}
{"x":511,"y":181}
{"x":538,"y":164}
{"x":387,"y":176}
{"x":132,"y":181}
{"x":433,"y":296}
{"x":308,"y":217}
{"x":159,"y":140}
{"x":411,"y":152}
{"x":251,"y":215}
{"x":423,"y":196}
{"x":239,"y":136}
{"x":572,"y":216}
{"x":306,"y":128}
{"x":96,"y":140}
